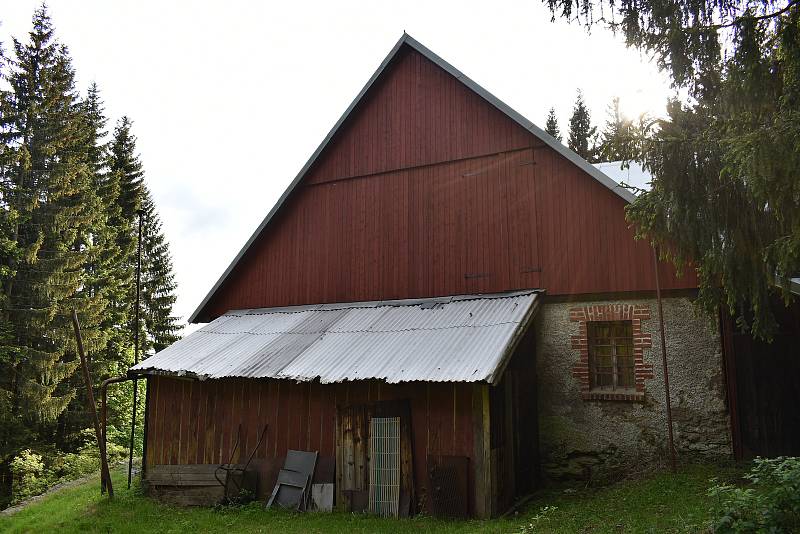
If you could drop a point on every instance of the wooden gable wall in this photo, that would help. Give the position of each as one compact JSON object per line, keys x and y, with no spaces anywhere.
{"x":429,"y":190}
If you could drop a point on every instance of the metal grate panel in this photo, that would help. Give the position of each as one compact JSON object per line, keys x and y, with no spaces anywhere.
{"x":384,"y":466}
{"x":448,"y":483}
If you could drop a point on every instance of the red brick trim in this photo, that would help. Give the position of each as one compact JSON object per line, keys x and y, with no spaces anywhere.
{"x":629,"y":397}
{"x":636,"y":313}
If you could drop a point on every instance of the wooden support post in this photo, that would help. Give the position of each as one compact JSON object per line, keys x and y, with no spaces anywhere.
{"x":482,"y":463}
{"x":105,"y":475}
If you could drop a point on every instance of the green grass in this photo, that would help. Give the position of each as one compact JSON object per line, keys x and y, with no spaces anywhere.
{"x":659,"y":503}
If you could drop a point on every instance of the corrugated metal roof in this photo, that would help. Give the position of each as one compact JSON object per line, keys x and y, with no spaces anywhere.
{"x":632,"y":174}
{"x":406,"y":39}
{"x":447,"y":339}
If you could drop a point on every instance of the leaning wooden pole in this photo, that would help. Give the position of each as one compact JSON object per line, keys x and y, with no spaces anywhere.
{"x":672,"y":462}
{"x":105,"y":475}
{"x":140,"y":213}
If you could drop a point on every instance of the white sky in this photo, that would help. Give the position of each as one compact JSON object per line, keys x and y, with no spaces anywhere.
{"x":230,"y":98}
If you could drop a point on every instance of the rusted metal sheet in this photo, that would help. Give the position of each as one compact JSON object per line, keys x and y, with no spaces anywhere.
{"x":451,"y":339}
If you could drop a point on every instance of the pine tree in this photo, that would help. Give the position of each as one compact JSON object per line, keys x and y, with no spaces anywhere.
{"x":725,"y":161}
{"x":113,"y":270}
{"x":617,"y":141}
{"x":107,"y":279}
{"x":158,"y":282}
{"x":125,"y":162}
{"x":50,"y":211}
{"x":581,"y":132}
{"x":551,"y":125}
{"x":158,"y":326}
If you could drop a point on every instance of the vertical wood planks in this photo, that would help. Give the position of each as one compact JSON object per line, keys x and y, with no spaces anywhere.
{"x":196,"y":422}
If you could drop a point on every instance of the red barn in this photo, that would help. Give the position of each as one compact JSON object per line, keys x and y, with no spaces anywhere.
{"x":446,"y":298}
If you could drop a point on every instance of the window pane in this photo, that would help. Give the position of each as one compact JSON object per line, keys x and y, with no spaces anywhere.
{"x":624,"y":350}
{"x":611,"y":354}
{"x":603,"y":380}
{"x":625,"y":377}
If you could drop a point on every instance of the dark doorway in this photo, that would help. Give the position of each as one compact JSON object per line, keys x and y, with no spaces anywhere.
{"x":764,"y":387}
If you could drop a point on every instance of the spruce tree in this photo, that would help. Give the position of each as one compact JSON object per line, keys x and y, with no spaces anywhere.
{"x":158,"y":282}
{"x":581,"y":132}
{"x":617,"y":142}
{"x":50,"y":208}
{"x":725,"y":161}
{"x":158,"y":327}
{"x":107,"y":275}
{"x":551,"y":125}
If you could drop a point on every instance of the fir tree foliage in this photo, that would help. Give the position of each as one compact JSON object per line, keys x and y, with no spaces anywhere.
{"x":725,"y":160}
{"x":551,"y":124}
{"x":68,"y":214}
{"x":620,"y":135}
{"x":48,"y":199}
{"x":158,"y":327}
{"x":582,"y":135}
{"x":158,"y":283}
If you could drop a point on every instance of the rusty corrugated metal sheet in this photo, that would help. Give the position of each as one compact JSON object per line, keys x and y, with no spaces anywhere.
{"x":447,"y":339}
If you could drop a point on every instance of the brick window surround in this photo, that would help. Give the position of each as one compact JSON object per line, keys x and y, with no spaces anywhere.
{"x":636,"y":313}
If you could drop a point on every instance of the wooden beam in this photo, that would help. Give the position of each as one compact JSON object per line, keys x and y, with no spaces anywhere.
{"x":104,"y":472}
{"x":481,"y":451}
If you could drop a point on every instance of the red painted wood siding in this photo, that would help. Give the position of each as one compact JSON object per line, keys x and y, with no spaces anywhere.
{"x":197,"y":422}
{"x":431,"y":191}
{"x":417,"y":115}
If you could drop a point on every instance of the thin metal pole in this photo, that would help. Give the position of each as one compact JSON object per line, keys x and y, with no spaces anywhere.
{"x":105,"y":475}
{"x":664,"y":363}
{"x":135,"y":347}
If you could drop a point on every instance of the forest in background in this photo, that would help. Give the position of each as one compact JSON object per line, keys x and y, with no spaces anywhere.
{"x":71,"y":192}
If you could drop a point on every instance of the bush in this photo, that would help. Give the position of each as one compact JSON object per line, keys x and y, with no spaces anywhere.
{"x":35,"y":472}
{"x":769,"y":503}
{"x":29,"y":476}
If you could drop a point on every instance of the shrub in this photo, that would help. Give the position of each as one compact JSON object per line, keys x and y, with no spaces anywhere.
{"x":35,"y":472}
{"x":30,"y":477}
{"x":769,"y":503}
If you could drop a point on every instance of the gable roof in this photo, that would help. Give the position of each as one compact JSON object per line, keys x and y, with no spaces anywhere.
{"x":407,"y":40}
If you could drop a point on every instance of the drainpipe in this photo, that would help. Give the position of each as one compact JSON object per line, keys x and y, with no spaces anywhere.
{"x":664,"y":363}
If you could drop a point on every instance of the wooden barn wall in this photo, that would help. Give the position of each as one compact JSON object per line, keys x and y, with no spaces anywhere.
{"x":515,"y":220}
{"x":430,"y":191}
{"x":196,"y":422}
{"x":418,"y":115}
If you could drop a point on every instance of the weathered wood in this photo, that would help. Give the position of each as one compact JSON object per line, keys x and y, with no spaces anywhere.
{"x":482,"y":451}
{"x":509,"y":467}
{"x":188,"y":496}
{"x":104,"y":472}
{"x":181,"y":481}
{"x":341,"y":503}
{"x":187,"y":469}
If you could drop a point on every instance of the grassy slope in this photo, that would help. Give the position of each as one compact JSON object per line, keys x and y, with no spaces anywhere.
{"x":662,"y":503}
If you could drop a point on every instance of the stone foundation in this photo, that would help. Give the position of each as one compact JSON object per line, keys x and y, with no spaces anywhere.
{"x":583,"y":437}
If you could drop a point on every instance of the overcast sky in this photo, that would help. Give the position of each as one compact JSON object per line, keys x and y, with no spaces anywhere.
{"x":230,"y":98}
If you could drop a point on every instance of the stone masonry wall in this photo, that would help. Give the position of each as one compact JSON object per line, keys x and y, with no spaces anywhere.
{"x":585,"y":435}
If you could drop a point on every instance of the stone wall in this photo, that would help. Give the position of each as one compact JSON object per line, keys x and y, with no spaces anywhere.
{"x":584,"y":437}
